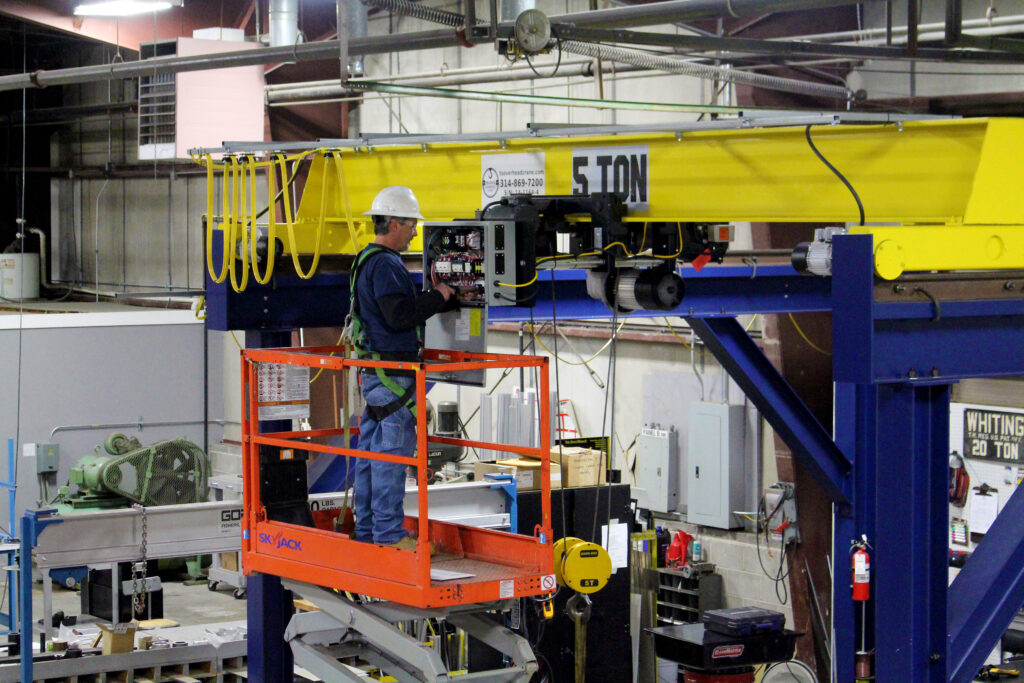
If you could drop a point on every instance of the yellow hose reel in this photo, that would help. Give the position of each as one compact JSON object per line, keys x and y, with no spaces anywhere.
{"x":583,"y":566}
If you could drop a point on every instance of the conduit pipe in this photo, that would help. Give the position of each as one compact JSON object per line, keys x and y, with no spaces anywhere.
{"x":333,"y":89}
{"x":509,"y":98}
{"x":858,"y":37}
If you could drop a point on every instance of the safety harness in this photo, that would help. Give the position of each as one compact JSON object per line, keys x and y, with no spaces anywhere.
{"x":404,"y":397}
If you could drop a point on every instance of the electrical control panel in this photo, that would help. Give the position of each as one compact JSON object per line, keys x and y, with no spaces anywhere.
{"x":480,"y":259}
{"x":47,"y":456}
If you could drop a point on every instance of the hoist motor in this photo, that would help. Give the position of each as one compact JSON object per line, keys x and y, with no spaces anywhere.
{"x":583,"y":566}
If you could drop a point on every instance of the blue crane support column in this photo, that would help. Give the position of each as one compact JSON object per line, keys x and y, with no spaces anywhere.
{"x":32,"y":523}
{"x":855,"y":429}
{"x":269,"y":605}
{"x":911,"y":531}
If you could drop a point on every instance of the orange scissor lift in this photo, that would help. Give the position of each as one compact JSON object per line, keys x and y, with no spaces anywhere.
{"x":503,"y":565}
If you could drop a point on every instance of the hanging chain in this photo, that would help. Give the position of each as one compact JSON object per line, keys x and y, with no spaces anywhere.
{"x":139,"y":568}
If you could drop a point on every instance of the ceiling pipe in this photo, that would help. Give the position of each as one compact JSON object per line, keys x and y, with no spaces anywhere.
{"x":689,"y":10}
{"x":303,"y":52}
{"x":867,"y":36}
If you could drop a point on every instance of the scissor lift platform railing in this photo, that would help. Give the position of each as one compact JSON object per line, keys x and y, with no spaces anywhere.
{"x":504,"y":565}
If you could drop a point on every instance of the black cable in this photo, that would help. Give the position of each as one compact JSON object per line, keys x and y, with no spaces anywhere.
{"x":558,"y":396}
{"x":604,"y":417}
{"x":496,"y":202}
{"x":558,"y":42}
{"x":549,"y":674}
{"x":856,"y":197}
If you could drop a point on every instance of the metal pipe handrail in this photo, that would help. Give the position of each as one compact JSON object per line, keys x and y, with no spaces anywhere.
{"x":139,"y":424}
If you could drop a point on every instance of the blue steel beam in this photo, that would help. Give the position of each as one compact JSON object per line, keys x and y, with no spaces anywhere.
{"x":787,"y":414}
{"x":290,"y":302}
{"x":910,"y":541}
{"x":987,"y":593}
{"x":951,"y":348}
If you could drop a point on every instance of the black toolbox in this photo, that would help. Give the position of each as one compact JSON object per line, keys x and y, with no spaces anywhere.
{"x":743,"y":621}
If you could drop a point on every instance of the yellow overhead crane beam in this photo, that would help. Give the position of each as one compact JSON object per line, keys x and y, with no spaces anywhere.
{"x":950,"y":190}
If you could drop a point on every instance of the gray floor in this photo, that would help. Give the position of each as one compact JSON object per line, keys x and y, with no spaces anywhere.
{"x":184,"y":604}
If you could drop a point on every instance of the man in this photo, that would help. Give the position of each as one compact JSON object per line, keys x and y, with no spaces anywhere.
{"x":391,"y":314}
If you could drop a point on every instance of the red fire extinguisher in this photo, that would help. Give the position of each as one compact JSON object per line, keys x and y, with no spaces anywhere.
{"x":861,"y":568}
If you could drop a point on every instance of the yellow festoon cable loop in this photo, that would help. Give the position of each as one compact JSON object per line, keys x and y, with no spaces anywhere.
{"x":241,"y":216}
{"x":209,"y":229}
{"x":319,"y":230}
{"x":356,"y":247}
{"x":272,"y":225}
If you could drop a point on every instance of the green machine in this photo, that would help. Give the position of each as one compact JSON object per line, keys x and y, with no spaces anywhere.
{"x":165,"y":473}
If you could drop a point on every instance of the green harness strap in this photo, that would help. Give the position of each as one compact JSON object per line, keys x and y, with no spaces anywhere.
{"x":360,"y":339}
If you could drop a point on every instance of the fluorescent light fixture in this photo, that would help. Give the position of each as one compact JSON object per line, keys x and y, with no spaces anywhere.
{"x":123,"y":8}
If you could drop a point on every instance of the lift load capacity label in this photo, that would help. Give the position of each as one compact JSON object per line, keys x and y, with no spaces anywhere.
{"x":283,"y":391}
{"x":993,"y":435}
{"x":505,"y":174}
{"x":613,"y":169}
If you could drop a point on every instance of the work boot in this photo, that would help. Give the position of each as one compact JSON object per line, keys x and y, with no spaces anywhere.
{"x":409,"y":543}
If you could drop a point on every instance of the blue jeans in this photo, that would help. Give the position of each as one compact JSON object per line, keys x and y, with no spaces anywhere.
{"x":380,"y":486}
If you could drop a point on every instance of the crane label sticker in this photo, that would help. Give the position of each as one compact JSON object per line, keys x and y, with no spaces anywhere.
{"x":623,"y":170}
{"x":993,"y":435}
{"x":504,"y":174}
{"x":283,"y":391}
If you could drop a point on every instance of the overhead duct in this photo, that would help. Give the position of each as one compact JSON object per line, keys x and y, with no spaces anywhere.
{"x":284,"y":22}
{"x":357,"y":28}
{"x":511,"y":9}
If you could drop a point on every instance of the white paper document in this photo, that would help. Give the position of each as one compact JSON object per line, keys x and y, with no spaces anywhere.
{"x":618,"y":546}
{"x":983,"y":511}
{"x":446,"y":575}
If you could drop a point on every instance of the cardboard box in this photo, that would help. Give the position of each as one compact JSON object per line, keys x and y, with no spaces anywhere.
{"x":584,"y":469}
{"x":117,"y":638}
{"x":229,"y":561}
{"x":580,"y":466}
{"x":526,"y":472}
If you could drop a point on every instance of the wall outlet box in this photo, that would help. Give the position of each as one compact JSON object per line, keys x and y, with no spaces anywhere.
{"x":47,"y":456}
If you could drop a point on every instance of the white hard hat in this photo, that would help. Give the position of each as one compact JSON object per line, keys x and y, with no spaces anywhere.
{"x":396,"y":200}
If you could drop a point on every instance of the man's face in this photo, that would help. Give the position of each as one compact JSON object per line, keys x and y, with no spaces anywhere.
{"x":406,"y":230}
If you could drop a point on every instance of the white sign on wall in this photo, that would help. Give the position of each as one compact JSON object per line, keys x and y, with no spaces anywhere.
{"x":505,"y":174}
{"x":622,"y":169}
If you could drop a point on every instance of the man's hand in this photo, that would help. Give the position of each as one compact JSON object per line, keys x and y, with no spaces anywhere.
{"x":446,"y":291}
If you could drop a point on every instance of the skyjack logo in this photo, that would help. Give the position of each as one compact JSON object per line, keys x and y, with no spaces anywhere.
{"x":279,"y":541}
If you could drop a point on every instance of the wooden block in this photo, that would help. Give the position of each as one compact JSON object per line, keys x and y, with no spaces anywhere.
{"x":305,"y":605}
{"x":157,"y":623}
